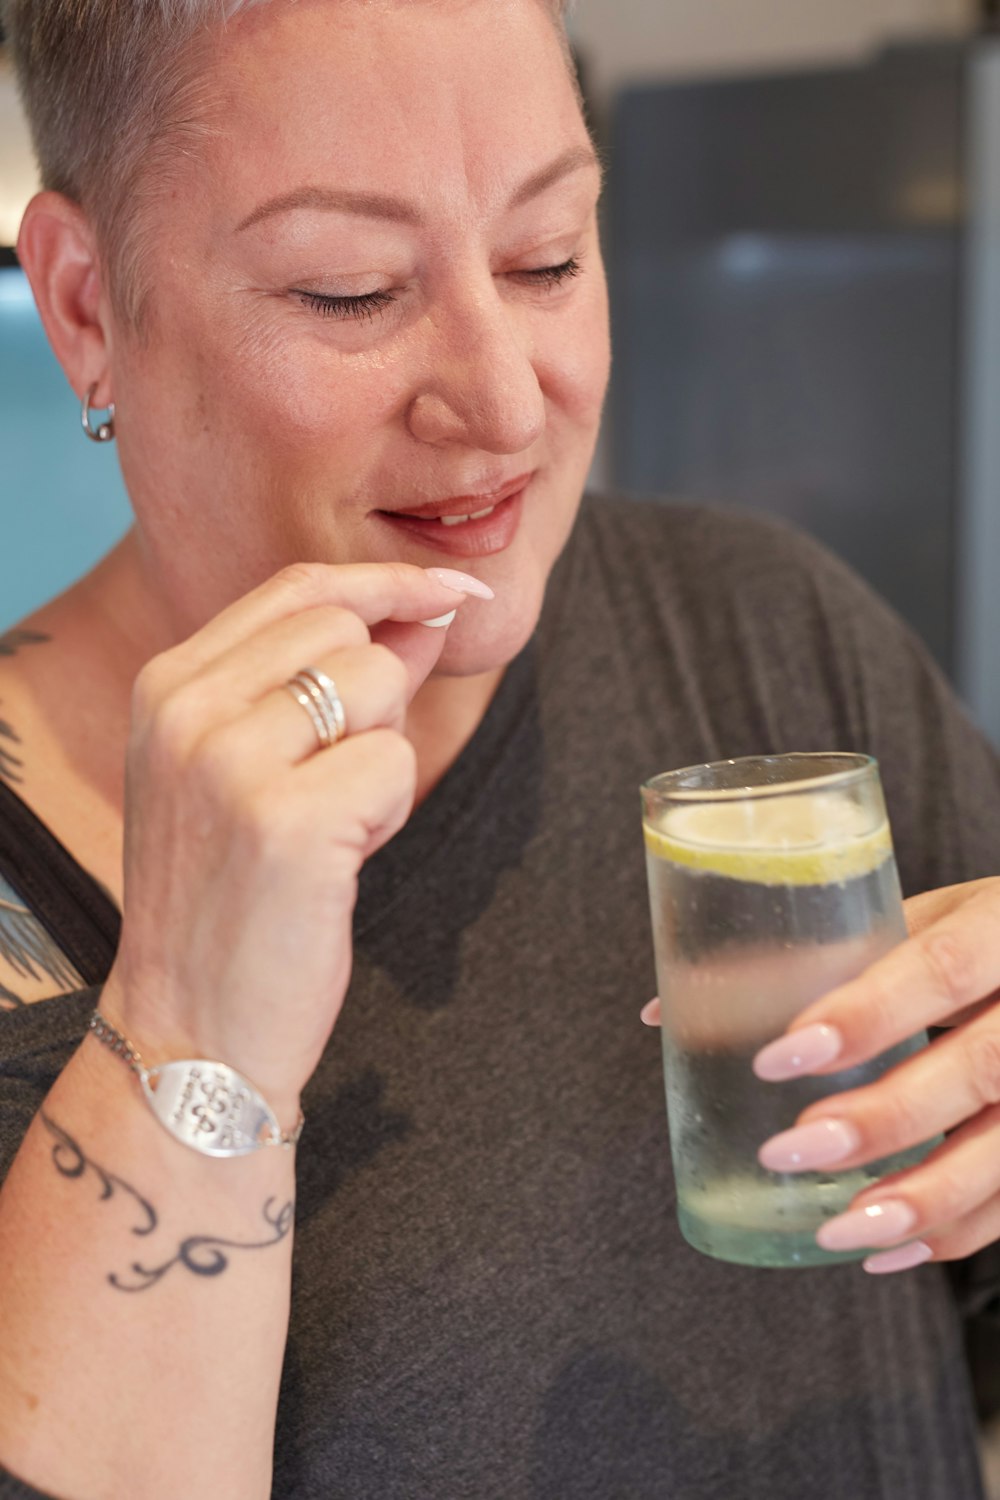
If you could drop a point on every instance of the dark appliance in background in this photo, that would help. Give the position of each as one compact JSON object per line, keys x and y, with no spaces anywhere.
{"x":805,"y":277}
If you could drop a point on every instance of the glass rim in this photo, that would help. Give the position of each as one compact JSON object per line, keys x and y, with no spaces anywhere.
{"x":855,"y":768}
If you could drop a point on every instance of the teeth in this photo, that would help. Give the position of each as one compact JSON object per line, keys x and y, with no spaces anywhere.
{"x":477,"y":515}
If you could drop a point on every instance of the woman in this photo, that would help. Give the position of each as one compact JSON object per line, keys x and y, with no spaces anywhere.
{"x":335,"y":268}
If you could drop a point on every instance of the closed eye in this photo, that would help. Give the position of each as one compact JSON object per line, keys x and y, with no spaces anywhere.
{"x":553,"y":275}
{"x":362,"y":309}
{"x":368,"y":305}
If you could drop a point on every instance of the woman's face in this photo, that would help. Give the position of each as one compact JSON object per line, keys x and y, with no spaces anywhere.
{"x":377,"y":306}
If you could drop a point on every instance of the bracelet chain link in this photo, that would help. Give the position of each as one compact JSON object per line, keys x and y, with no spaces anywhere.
{"x":207,"y":1105}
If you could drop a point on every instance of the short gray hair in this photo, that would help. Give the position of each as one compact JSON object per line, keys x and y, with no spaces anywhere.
{"x":106,"y":85}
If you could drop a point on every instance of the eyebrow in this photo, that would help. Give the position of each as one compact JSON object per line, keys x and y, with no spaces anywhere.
{"x":399,"y":210}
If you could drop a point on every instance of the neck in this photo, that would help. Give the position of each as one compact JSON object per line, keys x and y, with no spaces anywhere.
{"x":442,"y":719}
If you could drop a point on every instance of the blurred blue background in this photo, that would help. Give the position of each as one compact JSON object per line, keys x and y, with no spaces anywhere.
{"x":62,"y":500}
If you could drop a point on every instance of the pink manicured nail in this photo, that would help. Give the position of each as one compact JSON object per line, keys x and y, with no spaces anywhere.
{"x":462,"y":583}
{"x":821,"y":1143}
{"x":650,"y":1013}
{"x":878,"y":1224}
{"x":799,"y":1052}
{"x":903,"y":1259}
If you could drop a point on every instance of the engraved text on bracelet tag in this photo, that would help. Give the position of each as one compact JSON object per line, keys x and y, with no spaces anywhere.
{"x":209,"y":1106}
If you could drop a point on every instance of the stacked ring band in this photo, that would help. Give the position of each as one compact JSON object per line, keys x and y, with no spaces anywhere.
{"x":317,"y":694}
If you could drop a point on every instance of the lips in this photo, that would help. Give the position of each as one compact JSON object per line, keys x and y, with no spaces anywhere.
{"x":465,"y":525}
{"x":463,"y":507}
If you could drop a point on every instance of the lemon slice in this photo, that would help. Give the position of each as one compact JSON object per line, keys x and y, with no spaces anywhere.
{"x":773,"y":841}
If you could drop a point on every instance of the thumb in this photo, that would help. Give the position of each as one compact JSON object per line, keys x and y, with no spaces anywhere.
{"x":418,"y":647}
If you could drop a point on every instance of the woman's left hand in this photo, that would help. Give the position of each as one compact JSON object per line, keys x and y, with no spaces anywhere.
{"x":946,"y":975}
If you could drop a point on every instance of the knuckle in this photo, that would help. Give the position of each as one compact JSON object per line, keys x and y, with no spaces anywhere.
{"x":950,"y":966}
{"x":880,"y":1011}
{"x":174,"y":726}
{"x":149,"y":688}
{"x":342,"y":626}
{"x":351,"y":629}
{"x":949,"y":1197}
{"x":396,"y":757}
{"x":304,"y":581}
{"x":212,"y":765}
{"x":982,"y":1056}
{"x":404,"y":576}
{"x":904,"y":1117}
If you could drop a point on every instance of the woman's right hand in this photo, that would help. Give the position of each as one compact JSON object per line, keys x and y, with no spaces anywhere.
{"x":243,"y":840}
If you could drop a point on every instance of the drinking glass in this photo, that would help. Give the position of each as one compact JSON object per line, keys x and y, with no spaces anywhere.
{"x":771,"y":880}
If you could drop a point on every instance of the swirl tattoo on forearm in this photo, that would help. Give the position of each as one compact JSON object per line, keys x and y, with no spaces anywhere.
{"x":201,"y":1254}
{"x":204,"y":1254}
{"x":70,"y":1161}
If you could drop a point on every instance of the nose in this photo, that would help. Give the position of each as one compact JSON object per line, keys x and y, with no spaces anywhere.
{"x":479,"y":387}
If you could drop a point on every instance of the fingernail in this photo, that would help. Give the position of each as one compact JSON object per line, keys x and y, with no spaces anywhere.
{"x":902,"y":1259}
{"x":799,"y":1052}
{"x":821,"y":1143}
{"x":441,"y":620}
{"x":878,"y":1224}
{"x":463,"y":583}
{"x":650,"y":1013}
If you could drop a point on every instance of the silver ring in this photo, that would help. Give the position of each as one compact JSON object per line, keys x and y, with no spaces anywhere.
{"x":318,"y":722}
{"x":329,"y":698}
{"x":317,"y":694}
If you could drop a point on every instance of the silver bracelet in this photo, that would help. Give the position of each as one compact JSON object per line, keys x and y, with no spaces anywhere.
{"x":206,"y":1105}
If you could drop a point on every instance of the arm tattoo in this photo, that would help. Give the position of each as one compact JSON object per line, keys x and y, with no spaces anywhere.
{"x":12,"y":640}
{"x":10,"y":762}
{"x":8,"y":1000}
{"x":28,"y":948}
{"x":201,"y":1254}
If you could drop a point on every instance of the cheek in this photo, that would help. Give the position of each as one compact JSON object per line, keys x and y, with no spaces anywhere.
{"x":300,"y":390}
{"x":241,"y":370}
{"x":576,"y":365}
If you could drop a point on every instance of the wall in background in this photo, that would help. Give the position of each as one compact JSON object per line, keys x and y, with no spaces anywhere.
{"x":18,"y":176}
{"x":630,"y":40}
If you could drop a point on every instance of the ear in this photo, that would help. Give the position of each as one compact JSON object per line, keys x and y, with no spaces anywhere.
{"x":58,"y":251}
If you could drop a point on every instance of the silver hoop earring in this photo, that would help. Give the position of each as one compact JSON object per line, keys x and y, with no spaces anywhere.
{"x":105,"y":431}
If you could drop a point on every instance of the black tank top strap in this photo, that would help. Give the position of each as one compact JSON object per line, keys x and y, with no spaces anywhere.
{"x":75,"y":911}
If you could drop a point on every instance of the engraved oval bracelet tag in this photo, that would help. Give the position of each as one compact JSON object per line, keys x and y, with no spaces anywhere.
{"x":210,"y":1107}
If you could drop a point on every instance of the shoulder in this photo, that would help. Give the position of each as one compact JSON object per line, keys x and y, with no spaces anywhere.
{"x":695,"y":540}
{"x":759,"y":612}
{"x":770,"y":642}
{"x":721,"y":572}
{"x":700,"y":535}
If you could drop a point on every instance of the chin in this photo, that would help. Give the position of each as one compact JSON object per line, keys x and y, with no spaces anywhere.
{"x":486,"y":643}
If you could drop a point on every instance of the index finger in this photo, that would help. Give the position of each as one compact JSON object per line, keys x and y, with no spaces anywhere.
{"x":949,"y":966}
{"x":373,"y":591}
